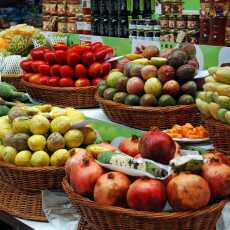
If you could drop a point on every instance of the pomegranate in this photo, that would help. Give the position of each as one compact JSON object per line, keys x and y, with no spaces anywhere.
{"x":111,"y":188}
{"x":130,"y":146}
{"x":146,"y":194}
{"x":218,"y":157}
{"x":157,"y":146}
{"x":218,"y":176}
{"x":84,"y":176}
{"x":188,"y":192}
{"x":77,"y":154}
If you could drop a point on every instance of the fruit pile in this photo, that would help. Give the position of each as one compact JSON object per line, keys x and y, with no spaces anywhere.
{"x":148,"y":80}
{"x":214,"y":101}
{"x":42,"y":135}
{"x":205,"y":178}
{"x":65,"y":66}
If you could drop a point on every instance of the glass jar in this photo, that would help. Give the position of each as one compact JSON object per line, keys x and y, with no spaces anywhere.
{"x":166,"y":7}
{"x":61,"y":8}
{"x":181,"y":22}
{"x":71,"y":25}
{"x":45,"y":7}
{"x":53,"y":7}
{"x":176,"y":7}
{"x":45,"y":26}
{"x":62,"y":25}
{"x":73,"y":7}
{"x":192,"y":22}
{"x":172,"y":22}
{"x":164,"y":22}
{"x":149,"y":25}
{"x":140,"y":24}
{"x":50,"y":23}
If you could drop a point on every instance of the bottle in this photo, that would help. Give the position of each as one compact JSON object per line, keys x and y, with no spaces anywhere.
{"x":147,"y":12}
{"x":103,"y":8}
{"x":135,"y":9}
{"x":123,"y":27}
{"x":122,"y":8}
{"x":113,"y":27}
{"x":112,"y":6}
{"x":95,"y":7}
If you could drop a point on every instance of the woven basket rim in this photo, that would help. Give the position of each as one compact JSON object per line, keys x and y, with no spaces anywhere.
{"x":216,"y":122}
{"x":145,"y":214}
{"x":113,"y":104}
{"x":30,"y":169}
{"x":11,"y":76}
{"x":60,"y":89}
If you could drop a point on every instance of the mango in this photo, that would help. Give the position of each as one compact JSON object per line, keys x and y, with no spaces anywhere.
{"x":213,"y":109}
{"x":222,"y":75}
{"x":209,"y":79}
{"x":221,"y":115}
{"x":203,"y":107}
{"x":224,"y":102}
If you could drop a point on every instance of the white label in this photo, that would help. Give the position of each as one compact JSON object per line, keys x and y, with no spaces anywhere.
{"x":80,"y":25}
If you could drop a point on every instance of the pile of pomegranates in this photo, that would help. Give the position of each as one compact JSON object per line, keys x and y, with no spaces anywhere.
{"x":183,"y":191}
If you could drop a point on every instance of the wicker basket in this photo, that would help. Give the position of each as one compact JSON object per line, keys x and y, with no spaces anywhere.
{"x":145,"y":117}
{"x":23,"y":204}
{"x":219,"y":133}
{"x":115,"y":218}
{"x":32,"y":178}
{"x":82,"y":97}
{"x":14,"y":80}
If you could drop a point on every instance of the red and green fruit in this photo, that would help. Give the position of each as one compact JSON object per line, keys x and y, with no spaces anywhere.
{"x":66,"y":71}
{"x":132,"y":99}
{"x":166,"y":100}
{"x":111,"y":189}
{"x":113,"y":78}
{"x":81,"y":71}
{"x":171,"y":87}
{"x":146,"y":195}
{"x":157,"y":146}
{"x":166,"y":73}
{"x":153,"y":86}
{"x":82,"y":82}
{"x":66,"y":82}
{"x":122,"y":83}
{"x":120,"y":97}
{"x":148,"y":100}
{"x":109,"y":93}
{"x":151,"y":51}
{"x":96,"y":81}
{"x":135,"y":85}
{"x":148,"y":71}
{"x":95,"y":70}
{"x":188,"y":192}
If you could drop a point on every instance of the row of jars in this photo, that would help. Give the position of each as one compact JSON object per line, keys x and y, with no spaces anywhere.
{"x":144,"y":24}
{"x":180,"y":22}
{"x":61,"y":7}
{"x":171,"y":36}
{"x":169,"y":7}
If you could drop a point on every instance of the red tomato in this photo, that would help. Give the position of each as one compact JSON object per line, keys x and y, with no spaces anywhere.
{"x":26,"y":76}
{"x":26,"y":65}
{"x":73,"y":58}
{"x":96,"y":45}
{"x":43,"y":80}
{"x":66,"y":71}
{"x":82,"y":82}
{"x":55,"y":70}
{"x":95,"y":70}
{"x":66,"y":82}
{"x":80,"y":71}
{"x":106,"y":66}
{"x":44,"y":69}
{"x":35,"y":78}
{"x":61,"y":56}
{"x":35,"y":65}
{"x":60,"y":46}
{"x":50,"y":57}
{"x":53,"y":81}
{"x":96,"y":81}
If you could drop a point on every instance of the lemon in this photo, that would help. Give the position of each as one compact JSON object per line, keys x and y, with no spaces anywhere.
{"x":23,"y":158}
{"x":39,"y":125}
{"x":74,"y":138}
{"x":40,"y":158}
{"x":61,"y":124}
{"x":37,"y":142}
{"x":59,"y":157}
{"x":9,"y":153}
{"x":1,"y":152}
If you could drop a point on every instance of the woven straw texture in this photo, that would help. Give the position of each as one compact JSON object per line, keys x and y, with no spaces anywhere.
{"x":32,"y":178}
{"x":82,"y":97}
{"x":145,"y":117}
{"x":115,"y":218}
{"x":23,"y":204}
{"x":14,"y":80}
{"x":219,"y":133}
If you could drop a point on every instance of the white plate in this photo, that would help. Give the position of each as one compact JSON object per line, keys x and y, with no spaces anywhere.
{"x":190,"y":140}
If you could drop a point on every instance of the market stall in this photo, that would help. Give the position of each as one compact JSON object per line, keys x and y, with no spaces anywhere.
{"x":115,"y":115}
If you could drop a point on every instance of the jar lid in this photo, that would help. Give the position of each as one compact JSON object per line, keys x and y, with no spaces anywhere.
{"x":62,"y":19}
{"x":71,"y":19}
